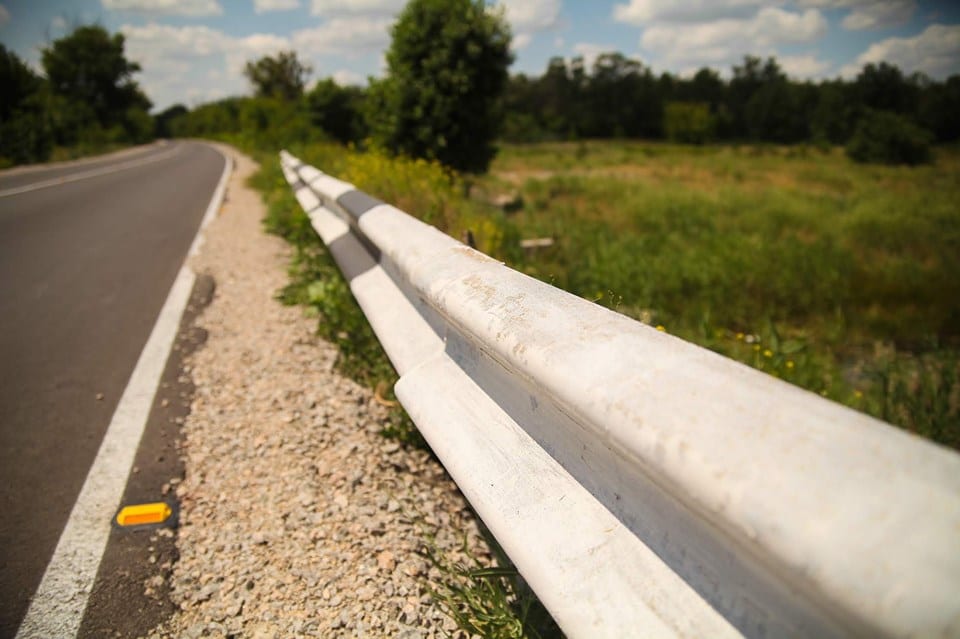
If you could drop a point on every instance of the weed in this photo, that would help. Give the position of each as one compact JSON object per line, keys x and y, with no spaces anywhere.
{"x":493,"y":602}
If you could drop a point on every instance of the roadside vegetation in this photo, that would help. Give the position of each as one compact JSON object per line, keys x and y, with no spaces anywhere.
{"x":85,"y":103}
{"x":810,"y":231}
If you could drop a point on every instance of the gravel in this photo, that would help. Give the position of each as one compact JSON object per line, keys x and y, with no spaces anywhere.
{"x":298,"y":519}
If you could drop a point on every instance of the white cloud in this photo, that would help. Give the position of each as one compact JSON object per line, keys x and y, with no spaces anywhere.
{"x":590,"y":52}
{"x":803,"y":67}
{"x":356,"y":7}
{"x":869,"y":14}
{"x":345,"y":77}
{"x":354,"y":35}
{"x":530,"y":17}
{"x":58,"y":23}
{"x":935,"y":52}
{"x":177,"y":58}
{"x":642,"y":13}
{"x":166,"y":7}
{"x":4,"y":15}
{"x":880,"y":15}
{"x":264,"y":6}
{"x":521,"y":40}
{"x":728,"y":39}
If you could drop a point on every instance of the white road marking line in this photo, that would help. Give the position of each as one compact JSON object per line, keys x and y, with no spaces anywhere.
{"x":57,"y":607}
{"x":213,"y":207}
{"x":113,"y":168}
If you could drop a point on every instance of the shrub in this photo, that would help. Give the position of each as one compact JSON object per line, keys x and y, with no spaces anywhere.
{"x":883,"y":137}
{"x":688,"y":122}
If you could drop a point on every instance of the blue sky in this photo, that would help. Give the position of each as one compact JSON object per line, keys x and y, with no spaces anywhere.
{"x":193,"y":51}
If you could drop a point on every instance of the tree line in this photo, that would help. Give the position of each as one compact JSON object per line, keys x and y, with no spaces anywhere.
{"x":620,"y":97}
{"x":882,"y":115}
{"x":447,"y":95}
{"x":86,"y":100}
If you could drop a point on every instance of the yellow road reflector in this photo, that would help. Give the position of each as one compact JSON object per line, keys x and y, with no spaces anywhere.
{"x":144,"y":514}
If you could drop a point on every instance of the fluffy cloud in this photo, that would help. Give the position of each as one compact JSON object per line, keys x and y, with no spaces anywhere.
{"x":356,"y":7}
{"x":590,"y":52}
{"x":345,"y":77}
{"x":4,"y":15}
{"x":177,"y":58}
{"x":869,"y":14}
{"x":803,"y":66}
{"x":529,"y":17}
{"x":351,"y":35}
{"x":264,"y":6}
{"x":727,"y":39}
{"x":166,"y":7}
{"x":642,"y":13}
{"x":934,"y":52}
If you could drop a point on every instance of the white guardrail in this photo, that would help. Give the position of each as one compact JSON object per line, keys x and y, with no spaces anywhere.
{"x":643,"y":486}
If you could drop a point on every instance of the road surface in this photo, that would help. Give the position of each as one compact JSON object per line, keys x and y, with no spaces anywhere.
{"x":88,"y":253}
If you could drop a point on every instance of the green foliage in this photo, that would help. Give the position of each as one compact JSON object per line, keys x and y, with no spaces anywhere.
{"x":492,"y":602}
{"x":164,"y":121}
{"x":88,"y":67}
{"x":887,"y":138}
{"x":816,"y":260}
{"x":251,"y":123}
{"x":447,"y":66}
{"x":688,"y":122}
{"x":280,"y":77}
{"x":88,"y":103}
{"x":620,"y":98}
{"x":25,"y":134}
{"x":19,"y":83}
{"x":338,"y":111}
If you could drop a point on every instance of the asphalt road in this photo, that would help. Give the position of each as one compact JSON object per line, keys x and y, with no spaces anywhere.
{"x":85,"y":266}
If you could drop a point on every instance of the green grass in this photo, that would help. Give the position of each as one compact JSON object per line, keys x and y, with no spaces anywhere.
{"x":840,"y":278}
{"x":843,"y":278}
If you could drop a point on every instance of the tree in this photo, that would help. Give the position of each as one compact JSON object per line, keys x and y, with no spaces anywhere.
{"x":164,"y":121}
{"x":688,"y":122}
{"x":337,"y":110}
{"x":884,"y":88}
{"x":282,"y":77}
{"x":887,"y":138}
{"x":87,"y":67}
{"x":447,"y":68}
{"x":24,"y":130}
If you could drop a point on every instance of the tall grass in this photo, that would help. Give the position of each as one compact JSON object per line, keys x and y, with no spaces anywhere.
{"x":837,"y":277}
{"x":780,"y":245}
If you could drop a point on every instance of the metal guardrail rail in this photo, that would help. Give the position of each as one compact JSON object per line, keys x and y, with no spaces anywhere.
{"x":643,"y":486}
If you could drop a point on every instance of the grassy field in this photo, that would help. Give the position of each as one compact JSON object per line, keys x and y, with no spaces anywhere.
{"x":839,"y":277}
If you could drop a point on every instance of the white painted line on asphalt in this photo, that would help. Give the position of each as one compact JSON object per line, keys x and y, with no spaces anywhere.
{"x":214,"y":205}
{"x":113,"y":168}
{"x":57,"y":607}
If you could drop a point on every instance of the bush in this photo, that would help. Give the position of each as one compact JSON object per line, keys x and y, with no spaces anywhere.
{"x":882,"y":137}
{"x":688,"y":122}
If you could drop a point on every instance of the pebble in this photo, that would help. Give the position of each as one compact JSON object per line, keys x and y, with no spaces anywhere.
{"x":297,"y":518}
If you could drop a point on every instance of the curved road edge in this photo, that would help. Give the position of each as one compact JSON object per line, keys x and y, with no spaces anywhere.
{"x":57,"y":607}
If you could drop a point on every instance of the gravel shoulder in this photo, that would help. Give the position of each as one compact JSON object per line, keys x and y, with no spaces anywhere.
{"x":298,"y":519}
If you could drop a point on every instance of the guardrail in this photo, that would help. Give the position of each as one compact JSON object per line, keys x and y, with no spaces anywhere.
{"x":643,"y":486}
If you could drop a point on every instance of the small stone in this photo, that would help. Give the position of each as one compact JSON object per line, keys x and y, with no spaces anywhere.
{"x":385,"y":561}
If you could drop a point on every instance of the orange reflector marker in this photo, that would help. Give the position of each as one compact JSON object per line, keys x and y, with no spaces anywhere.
{"x":144,"y":514}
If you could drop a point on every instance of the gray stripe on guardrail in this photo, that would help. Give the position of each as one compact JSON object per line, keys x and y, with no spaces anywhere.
{"x":356,"y":203}
{"x":353,"y":262}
